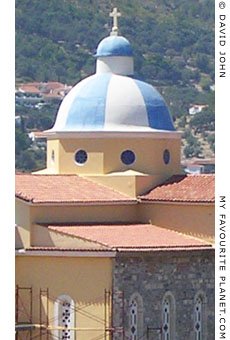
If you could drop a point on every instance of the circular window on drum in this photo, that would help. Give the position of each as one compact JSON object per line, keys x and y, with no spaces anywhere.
{"x":166,"y":156}
{"x":128,"y":157}
{"x":81,"y":157}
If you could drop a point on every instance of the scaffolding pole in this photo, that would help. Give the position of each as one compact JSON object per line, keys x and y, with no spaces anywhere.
{"x":108,"y":329}
{"x":23,"y":325}
{"x":105,"y":315}
{"x":44,"y":325}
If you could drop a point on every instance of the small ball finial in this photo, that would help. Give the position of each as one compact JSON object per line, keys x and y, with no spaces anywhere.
{"x":115,"y":14}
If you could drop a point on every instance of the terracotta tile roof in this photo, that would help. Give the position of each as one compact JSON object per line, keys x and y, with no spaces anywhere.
{"x":165,"y":249}
{"x":51,"y":95}
{"x":41,"y":189}
{"x":35,"y":83}
{"x":54,"y":85}
{"x":39,"y":134}
{"x":66,"y":249}
{"x":199,"y":161}
{"x":30,"y":89}
{"x":184,"y":188}
{"x":131,"y":236}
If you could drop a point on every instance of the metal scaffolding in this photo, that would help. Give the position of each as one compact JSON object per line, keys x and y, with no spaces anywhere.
{"x":24,"y":312}
{"x":112,"y":326}
{"x":26,"y":329}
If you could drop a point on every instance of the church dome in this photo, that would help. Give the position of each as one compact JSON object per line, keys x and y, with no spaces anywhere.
{"x":114,"y":46}
{"x":111,"y":102}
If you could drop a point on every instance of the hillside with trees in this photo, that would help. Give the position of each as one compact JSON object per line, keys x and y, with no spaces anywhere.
{"x":173,"y":44}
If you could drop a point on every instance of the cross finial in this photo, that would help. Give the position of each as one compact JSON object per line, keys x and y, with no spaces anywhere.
{"x":115,"y":14}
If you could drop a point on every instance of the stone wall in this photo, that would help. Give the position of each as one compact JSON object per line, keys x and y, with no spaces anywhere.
{"x":152,"y":275}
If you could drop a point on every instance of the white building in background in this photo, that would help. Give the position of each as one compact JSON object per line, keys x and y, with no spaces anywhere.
{"x":196,"y":109}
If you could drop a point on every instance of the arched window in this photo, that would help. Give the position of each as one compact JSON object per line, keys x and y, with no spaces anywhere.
{"x":168,"y":317}
{"x":135,"y":316}
{"x":199,"y":316}
{"x":64,"y":317}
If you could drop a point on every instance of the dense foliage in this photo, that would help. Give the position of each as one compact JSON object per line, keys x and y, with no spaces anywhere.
{"x":173,"y":43}
{"x":56,"y":39}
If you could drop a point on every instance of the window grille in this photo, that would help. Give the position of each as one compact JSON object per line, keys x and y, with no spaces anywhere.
{"x":64,"y":314}
{"x":166,"y":319}
{"x":198,"y":318}
{"x":133,"y":319}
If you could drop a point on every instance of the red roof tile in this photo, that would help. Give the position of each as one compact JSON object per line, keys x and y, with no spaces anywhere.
{"x":184,"y":188}
{"x":54,"y":85}
{"x":122,"y":250}
{"x":30,"y":89}
{"x":66,"y":249}
{"x":130,"y":236}
{"x":39,"y":134}
{"x":51,"y":95}
{"x":43,"y":189}
{"x":35,"y":83}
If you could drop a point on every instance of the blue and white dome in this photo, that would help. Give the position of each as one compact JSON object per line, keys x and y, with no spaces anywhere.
{"x":111,"y":100}
{"x":114,"y":46}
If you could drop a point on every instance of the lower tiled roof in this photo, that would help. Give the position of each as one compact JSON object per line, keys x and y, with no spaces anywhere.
{"x":131,"y":236}
{"x":184,"y":188}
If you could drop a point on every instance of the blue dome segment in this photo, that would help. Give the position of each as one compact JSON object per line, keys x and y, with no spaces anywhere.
{"x":114,"y":46}
{"x":158,"y":114}
{"x":110,"y":102}
{"x":87,"y":111}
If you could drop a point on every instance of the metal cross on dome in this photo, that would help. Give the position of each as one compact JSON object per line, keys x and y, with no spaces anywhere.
{"x":115,"y":14}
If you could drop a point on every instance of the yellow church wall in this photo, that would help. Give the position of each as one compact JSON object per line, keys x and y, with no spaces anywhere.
{"x":104,"y":155}
{"x":144,"y":183}
{"x":53,"y":150}
{"x":22,"y":219}
{"x":195,"y":220}
{"x":18,"y":238}
{"x":123,"y":183}
{"x":149,"y":155}
{"x":130,"y":183}
{"x":42,"y":236}
{"x":83,"y":279}
{"x":94,"y":148}
{"x":83,"y":214}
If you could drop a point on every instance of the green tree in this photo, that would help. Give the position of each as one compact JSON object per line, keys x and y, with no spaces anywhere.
{"x":203,"y":121}
{"x":192,"y":151}
{"x":202,"y":62}
{"x":211,"y":141}
{"x":22,"y":141}
{"x":26,"y":161}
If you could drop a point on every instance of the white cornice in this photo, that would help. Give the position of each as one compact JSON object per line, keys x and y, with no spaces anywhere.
{"x":79,"y":204}
{"x":134,"y":201}
{"x":61,"y":253}
{"x":155,"y":134}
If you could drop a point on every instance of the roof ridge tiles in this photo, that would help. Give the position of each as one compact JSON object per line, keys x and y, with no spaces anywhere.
{"x":95,"y":224}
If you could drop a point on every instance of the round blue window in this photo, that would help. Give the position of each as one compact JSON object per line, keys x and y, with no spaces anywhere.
{"x":166,"y":156}
{"x":128,"y":157}
{"x":81,"y":156}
